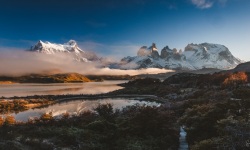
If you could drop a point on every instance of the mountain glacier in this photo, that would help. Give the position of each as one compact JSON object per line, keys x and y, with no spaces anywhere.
{"x":70,"y":47}
{"x":194,"y":57}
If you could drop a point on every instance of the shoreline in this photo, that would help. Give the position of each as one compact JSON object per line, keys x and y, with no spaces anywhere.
{"x":21,"y":104}
{"x":6,"y":82}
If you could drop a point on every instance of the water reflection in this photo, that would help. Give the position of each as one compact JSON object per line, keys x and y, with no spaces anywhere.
{"x":58,"y":88}
{"x":78,"y":106}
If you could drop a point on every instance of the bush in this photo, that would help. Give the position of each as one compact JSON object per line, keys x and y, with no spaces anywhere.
{"x":208,"y":144}
{"x":10,"y":145}
{"x":105,"y":111}
{"x":46,"y":117}
{"x":1,"y":121}
{"x":10,"y":120}
{"x":235,"y":79}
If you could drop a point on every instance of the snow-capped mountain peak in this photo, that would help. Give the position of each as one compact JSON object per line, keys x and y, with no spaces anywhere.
{"x":210,"y":55}
{"x":195,"y":56}
{"x":72,"y":43}
{"x":71,"y":47}
{"x":52,"y":48}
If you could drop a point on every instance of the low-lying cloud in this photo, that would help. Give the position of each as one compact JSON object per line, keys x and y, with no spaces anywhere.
{"x":19,"y":62}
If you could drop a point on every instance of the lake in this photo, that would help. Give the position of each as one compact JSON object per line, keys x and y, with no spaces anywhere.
{"x":77,"y":106}
{"x":72,"y":107}
{"x":27,"y":89}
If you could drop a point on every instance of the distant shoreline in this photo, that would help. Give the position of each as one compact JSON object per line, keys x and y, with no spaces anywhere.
{"x":60,"y":98}
{"x":6,"y":82}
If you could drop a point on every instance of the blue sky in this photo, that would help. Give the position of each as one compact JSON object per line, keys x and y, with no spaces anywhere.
{"x":119,"y":27}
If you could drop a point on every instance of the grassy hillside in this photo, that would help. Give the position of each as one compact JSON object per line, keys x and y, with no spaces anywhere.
{"x":56,"y":78}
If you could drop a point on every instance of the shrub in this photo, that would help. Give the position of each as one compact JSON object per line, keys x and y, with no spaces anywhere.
{"x":10,"y":120}
{"x":46,"y":117}
{"x":105,"y":111}
{"x":204,"y":145}
{"x":235,"y":79}
{"x":1,"y":121}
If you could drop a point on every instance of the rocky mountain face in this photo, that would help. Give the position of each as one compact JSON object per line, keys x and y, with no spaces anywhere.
{"x":245,"y":67}
{"x":194,"y":57}
{"x":70,"y":47}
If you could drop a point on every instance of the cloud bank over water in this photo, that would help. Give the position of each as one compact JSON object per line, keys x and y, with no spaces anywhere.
{"x":16,"y":62}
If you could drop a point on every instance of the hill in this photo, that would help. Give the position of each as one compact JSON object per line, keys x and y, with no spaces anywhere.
{"x":37,"y":78}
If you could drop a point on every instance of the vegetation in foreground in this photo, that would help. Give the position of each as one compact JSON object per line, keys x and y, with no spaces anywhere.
{"x":213,"y":108}
{"x":132,"y":128}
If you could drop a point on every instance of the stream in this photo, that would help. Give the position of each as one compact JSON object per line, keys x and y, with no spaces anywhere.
{"x":183,"y":143}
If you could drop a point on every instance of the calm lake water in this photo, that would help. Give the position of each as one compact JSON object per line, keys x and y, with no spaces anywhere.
{"x":77,"y":106}
{"x":9,"y":90}
{"x":72,"y":107}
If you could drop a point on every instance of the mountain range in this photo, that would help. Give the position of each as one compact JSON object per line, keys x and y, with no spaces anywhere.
{"x":194,"y":56}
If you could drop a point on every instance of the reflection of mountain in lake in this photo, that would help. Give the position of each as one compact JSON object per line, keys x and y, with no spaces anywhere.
{"x":59,"y":88}
{"x":78,"y":106}
{"x":60,"y":91}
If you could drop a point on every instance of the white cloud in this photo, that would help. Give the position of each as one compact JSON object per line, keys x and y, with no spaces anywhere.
{"x":205,"y":4}
{"x":15,"y":61}
{"x":19,"y":62}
